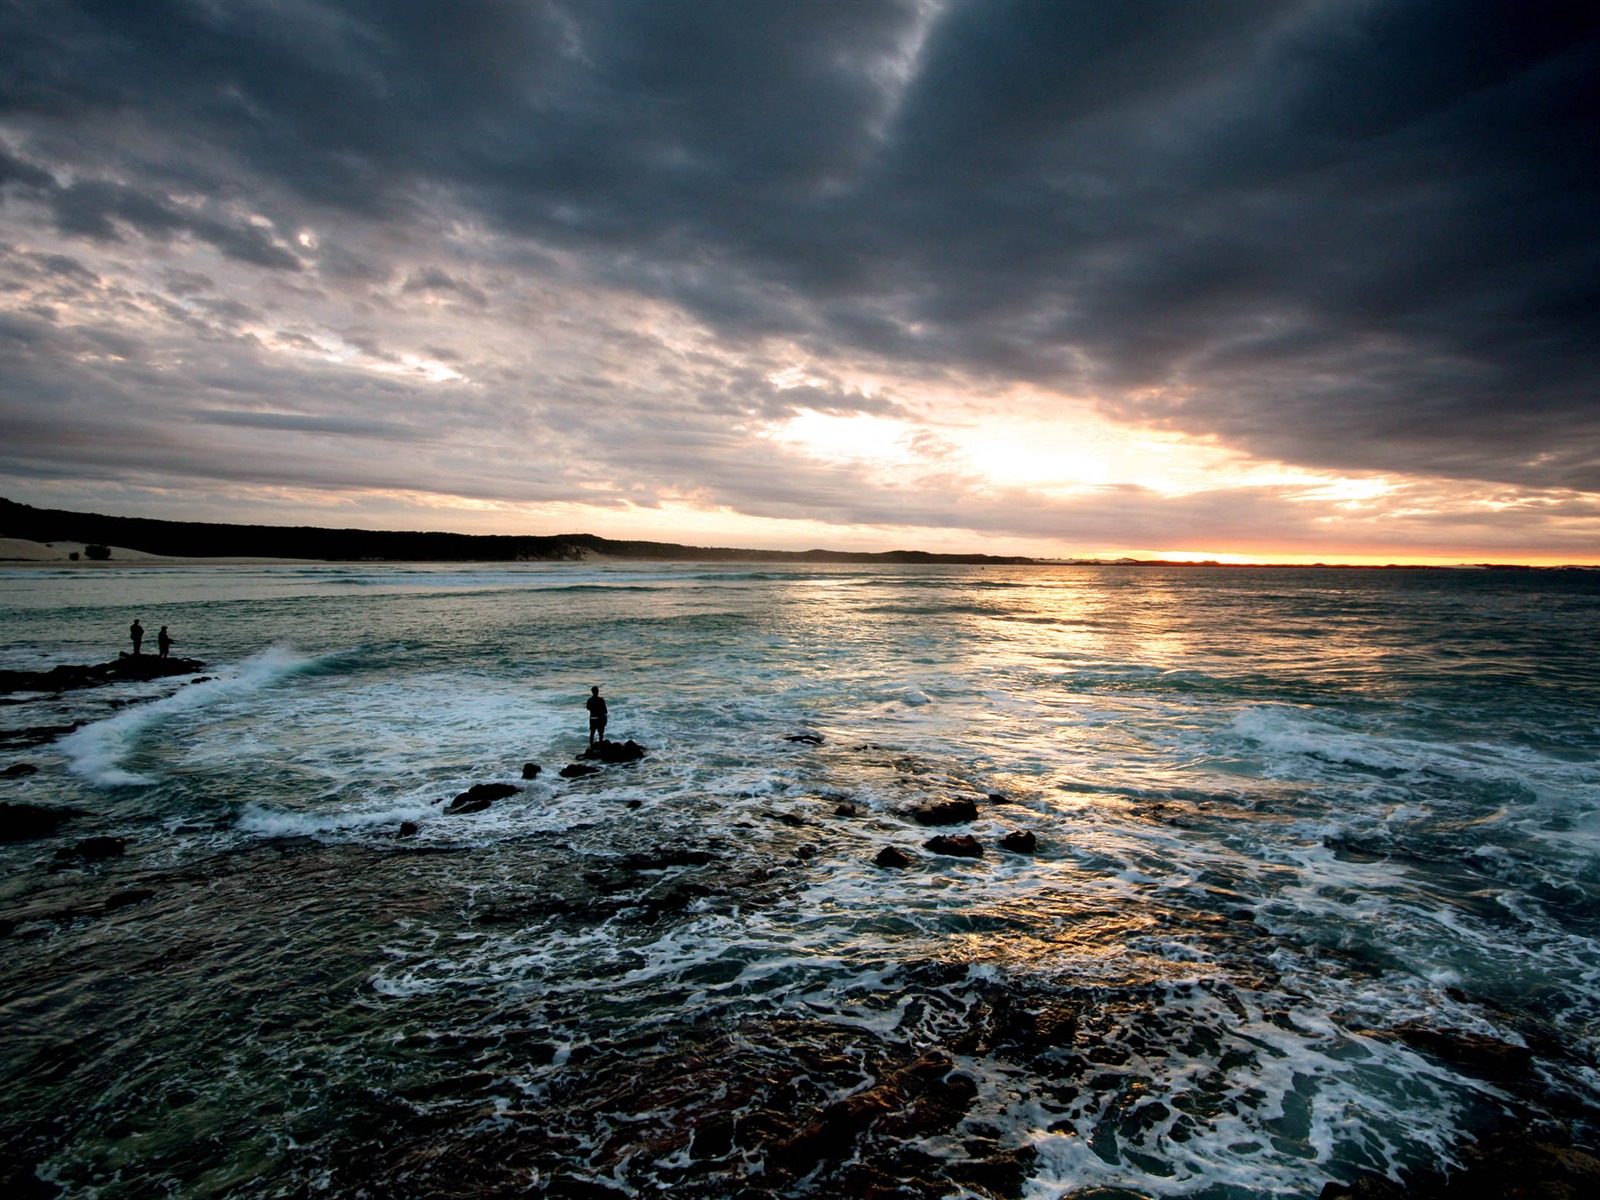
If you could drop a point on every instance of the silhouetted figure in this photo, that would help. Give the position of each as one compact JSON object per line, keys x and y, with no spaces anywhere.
{"x":597,"y":716}
{"x":164,"y":641}
{"x":136,"y":632}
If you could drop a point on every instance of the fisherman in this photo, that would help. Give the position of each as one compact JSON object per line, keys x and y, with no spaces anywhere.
{"x":136,"y":632}
{"x":164,"y":641}
{"x":597,"y":716}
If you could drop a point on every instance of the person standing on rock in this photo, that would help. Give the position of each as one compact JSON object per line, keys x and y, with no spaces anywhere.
{"x":136,"y":632}
{"x":597,"y":716}
{"x":164,"y":641}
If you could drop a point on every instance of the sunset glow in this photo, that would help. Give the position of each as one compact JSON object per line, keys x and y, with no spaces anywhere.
{"x":943,"y":312}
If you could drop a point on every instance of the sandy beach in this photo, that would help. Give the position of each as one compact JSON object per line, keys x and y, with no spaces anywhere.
{"x":19,"y":552}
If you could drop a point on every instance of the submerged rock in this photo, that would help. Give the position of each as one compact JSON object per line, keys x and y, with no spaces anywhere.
{"x":407,"y":829}
{"x":129,"y":897}
{"x":1485,"y":1057}
{"x":961,"y":845}
{"x":578,"y":771}
{"x":17,"y":770}
{"x":1020,"y":841}
{"x":37,"y":735}
{"x":949,"y":812}
{"x":530,"y":770}
{"x":21,"y":822}
{"x":890,"y":856}
{"x":810,"y":739}
{"x":95,"y":849}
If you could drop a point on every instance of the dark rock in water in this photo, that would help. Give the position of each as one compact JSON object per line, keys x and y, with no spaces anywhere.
{"x":924,"y":1098}
{"x":889,"y":856}
{"x":615,"y":752}
{"x":479,"y":796}
{"x":1534,"y":1161}
{"x":21,"y":822}
{"x":999,"y":798}
{"x":962,"y":845}
{"x":576,"y":1187}
{"x":95,"y":849}
{"x":950,"y":812}
{"x":531,"y":770}
{"x":578,"y":770}
{"x":488,"y":791}
{"x":635,"y":803}
{"x":1020,"y":841}
{"x":202,"y":679}
{"x":793,"y":820}
{"x":407,"y":829}
{"x":1485,"y":1057}
{"x":1003,"y":1173}
{"x":130,"y":897}
{"x":126,"y":667}
{"x":36,"y":735}
{"x":810,"y":739}
{"x":845,"y":810}
{"x":663,"y":857}
{"x":17,"y":770}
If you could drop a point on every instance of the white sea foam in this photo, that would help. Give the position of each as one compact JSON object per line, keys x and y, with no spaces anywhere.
{"x":97,"y":752}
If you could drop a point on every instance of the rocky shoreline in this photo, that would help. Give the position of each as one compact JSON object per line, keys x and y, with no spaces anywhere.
{"x":126,"y":668}
{"x":766,"y":1109}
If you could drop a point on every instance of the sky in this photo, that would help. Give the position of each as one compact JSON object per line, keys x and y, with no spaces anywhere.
{"x":1296,"y":280}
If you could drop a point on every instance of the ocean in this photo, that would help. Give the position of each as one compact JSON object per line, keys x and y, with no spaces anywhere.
{"x":1315,"y":890}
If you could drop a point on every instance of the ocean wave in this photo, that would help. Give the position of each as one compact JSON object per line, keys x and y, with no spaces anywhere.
{"x":97,"y":752}
{"x":1293,"y":738}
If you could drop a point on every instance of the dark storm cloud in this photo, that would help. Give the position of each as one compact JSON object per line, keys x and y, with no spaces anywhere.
{"x":1353,"y":236}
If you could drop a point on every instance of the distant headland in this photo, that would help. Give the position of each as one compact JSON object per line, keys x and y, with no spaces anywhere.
{"x":38,"y":535}
{"x":205,"y":540}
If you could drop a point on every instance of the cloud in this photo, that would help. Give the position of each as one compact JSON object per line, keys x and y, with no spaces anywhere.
{"x":1347,"y":239}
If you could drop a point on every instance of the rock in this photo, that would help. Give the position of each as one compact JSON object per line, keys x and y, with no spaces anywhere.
{"x":1020,"y":841}
{"x":1002,"y":1173}
{"x":407,"y":829}
{"x":962,"y":845}
{"x":615,"y":752}
{"x":37,"y":735}
{"x":125,"y":667}
{"x":21,"y":822}
{"x":635,"y":803}
{"x":530,"y":770}
{"x":999,"y":798}
{"x":949,"y":812}
{"x":95,"y":849}
{"x":479,"y":796}
{"x":810,"y":739}
{"x":17,"y":770}
{"x":889,"y":856}
{"x":1486,"y":1057}
{"x":202,"y":679}
{"x":578,"y":770}
{"x":132,"y":896}
{"x":845,"y":810}
{"x":1529,"y":1160}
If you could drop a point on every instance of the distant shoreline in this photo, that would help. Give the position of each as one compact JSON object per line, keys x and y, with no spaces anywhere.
{"x":37,"y":537}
